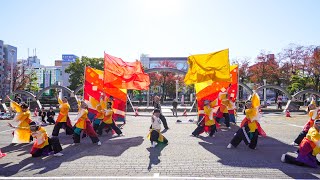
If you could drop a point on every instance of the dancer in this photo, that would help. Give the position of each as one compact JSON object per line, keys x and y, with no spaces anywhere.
{"x":208,"y":122}
{"x":308,"y":150}
{"x":155,"y":135}
{"x":250,"y":127}
{"x":156,"y":103}
{"x":50,"y":116}
{"x":100,"y":113}
{"x":84,"y":124}
{"x":108,"y":121}
{"x":23,"y":118}
{"x":313,"y":114}
{"x":43,"y":145}
{"x":63,"y":120}
{"x":223,"y":96}
{"x":232,"y":111}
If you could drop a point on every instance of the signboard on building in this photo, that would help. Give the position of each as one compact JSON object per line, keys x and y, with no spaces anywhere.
{"x":69,"y":57}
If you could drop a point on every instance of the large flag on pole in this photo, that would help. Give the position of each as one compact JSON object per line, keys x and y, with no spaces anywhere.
{"x":94,"y":87}
{"x":126,"y":75}
{"x":210,"y":90}
{"x":204,"y":67}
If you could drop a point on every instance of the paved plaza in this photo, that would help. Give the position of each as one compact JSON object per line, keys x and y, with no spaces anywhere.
{"x":185,"y":156}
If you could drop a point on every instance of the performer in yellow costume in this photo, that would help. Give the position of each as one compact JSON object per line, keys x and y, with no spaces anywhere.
{"x":308,"y":150}
{"x":23,"y":118}
{"x":63,"y":120}
{"x":250,"y":128}
{"x":108,"y":121}
{"x":84,"y":124}
{"x":43,"y":145}
{"x":224,"y":108}
{"x":208,"y":123}
{"x":313,"y":114}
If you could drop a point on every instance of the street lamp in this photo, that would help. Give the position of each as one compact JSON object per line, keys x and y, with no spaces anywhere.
{"x":264,"y":92}
{"x":11,"y":82}
{"x":177,"y":87}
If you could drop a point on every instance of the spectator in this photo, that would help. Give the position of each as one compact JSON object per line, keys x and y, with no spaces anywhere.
{"x":42,"y":115}
{"x":50,"y":116}
{"x":279,"y":102}
{"x":174,"y":108}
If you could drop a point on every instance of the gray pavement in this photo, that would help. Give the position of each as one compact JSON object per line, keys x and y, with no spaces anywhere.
{"x":185,"y":156}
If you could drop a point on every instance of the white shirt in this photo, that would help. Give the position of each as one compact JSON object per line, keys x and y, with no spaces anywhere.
{"x":155,"y":122}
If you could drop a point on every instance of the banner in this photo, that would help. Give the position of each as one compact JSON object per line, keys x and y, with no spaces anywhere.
{"x":208,"y":67}
{"x":124,"y":75}
{"x":94,"y":87}
{"x":210,"y":90}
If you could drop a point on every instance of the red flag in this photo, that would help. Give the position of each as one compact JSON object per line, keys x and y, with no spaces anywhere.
{"x":126,"y":75}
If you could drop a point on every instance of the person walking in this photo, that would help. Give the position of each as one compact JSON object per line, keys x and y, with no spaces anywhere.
{"x":175,"y":108}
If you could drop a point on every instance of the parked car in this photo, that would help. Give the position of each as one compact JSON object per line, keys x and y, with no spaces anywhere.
{"x":5,"y":116}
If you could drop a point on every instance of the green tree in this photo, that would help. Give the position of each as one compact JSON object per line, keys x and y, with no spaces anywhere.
{"x":32,"y":82}
{"x":76,"y":69}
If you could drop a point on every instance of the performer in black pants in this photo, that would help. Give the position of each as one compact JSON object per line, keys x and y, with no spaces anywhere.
{"x":157,"y":105}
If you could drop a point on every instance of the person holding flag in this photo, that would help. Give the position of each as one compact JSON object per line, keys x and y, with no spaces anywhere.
{"x":208,"y":123}
{"x":63,"y":120}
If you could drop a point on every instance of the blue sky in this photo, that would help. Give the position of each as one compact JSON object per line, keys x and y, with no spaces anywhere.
{"x":127,"y":28}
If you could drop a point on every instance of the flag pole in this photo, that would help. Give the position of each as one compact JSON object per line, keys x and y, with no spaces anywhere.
{"x":84,"y":79}
{"x":238,"y":92}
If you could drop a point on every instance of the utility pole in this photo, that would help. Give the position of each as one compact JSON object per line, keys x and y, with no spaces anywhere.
{"x":11,"y":82}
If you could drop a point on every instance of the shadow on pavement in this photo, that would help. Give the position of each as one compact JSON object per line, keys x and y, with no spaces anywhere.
{"x":266,"y":155}
{"x":155,"y":153}
{"x":114,"y":147}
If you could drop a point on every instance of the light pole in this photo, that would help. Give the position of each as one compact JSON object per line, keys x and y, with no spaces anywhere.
{"x":264,"y":92}
{"x":11,"y":82}
{"x":177,"y":87}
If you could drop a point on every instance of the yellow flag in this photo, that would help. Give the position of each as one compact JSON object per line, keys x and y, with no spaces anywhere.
{"x":204,"y":67}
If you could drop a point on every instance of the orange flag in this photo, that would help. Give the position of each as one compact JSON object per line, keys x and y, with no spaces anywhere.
{"x":125,"y":75}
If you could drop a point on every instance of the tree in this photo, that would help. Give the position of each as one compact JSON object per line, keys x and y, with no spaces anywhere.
{"x":76,"y":69}
{"x":266,"y":67}
{"x":22,"y":79}
{"x":166,"y":80}
{"x":297,"y":83}
{"x":243,"y":65}
{"x":32,"y":85}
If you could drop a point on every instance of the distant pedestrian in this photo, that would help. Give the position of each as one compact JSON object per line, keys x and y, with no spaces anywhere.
{"x":175,"y":108}
{"x":279,"y":102}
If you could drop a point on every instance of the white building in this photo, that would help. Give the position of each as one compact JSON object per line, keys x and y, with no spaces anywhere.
{"x":152,"y":62}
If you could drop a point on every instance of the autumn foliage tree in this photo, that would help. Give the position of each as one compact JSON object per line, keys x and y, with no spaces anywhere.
{"x":166,"y":80}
